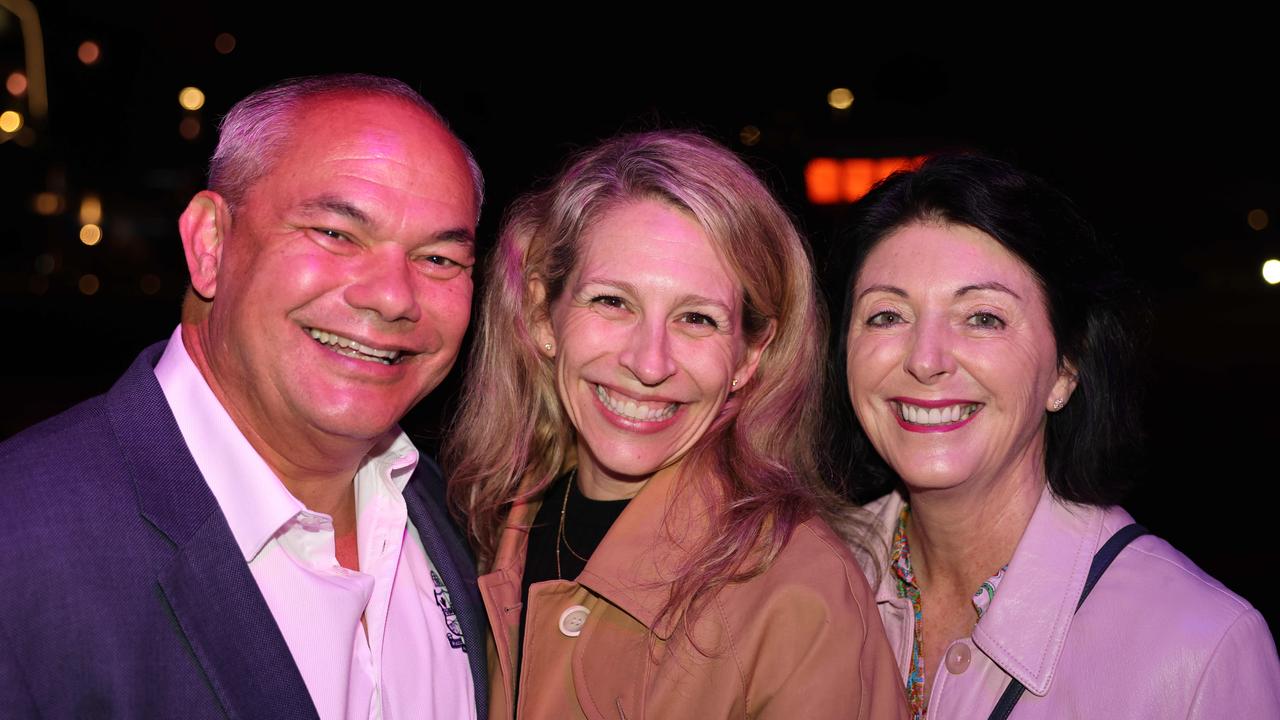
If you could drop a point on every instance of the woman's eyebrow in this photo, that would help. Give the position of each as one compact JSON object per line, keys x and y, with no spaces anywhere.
{"x":992,"y":285}
{"x":892,"y":289}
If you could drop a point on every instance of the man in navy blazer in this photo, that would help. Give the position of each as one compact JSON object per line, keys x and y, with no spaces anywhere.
{"x":238,"y":528}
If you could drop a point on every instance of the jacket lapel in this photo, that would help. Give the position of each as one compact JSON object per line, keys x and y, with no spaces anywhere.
{"x":424,"y":499}
{"x":204,"y":581}
{"x":1025,"y":628}
{"x":636,"y":562}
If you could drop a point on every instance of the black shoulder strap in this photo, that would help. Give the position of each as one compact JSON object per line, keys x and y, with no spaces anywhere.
{"x":1101,"y":562}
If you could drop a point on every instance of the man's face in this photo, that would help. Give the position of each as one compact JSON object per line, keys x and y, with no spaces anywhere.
{"x":344,"y":287}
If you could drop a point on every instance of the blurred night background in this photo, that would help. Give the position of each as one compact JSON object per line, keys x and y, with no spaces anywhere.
{"x":1168,"y":146}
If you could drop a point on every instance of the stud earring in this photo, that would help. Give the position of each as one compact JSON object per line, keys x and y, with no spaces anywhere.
{"x":546,"y":346}
{"x":735,"y":382}
{"x":1058,"y":403}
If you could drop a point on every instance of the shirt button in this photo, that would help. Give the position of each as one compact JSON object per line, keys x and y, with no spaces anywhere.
{"x":572,"y":620}
{"x":958,"y":656}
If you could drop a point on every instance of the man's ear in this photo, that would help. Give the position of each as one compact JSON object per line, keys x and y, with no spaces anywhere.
{"x":540,"y":318}
{"x":204,"y":226}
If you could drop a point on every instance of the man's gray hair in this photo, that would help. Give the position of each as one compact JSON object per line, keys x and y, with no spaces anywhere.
{"x":255,"y":130}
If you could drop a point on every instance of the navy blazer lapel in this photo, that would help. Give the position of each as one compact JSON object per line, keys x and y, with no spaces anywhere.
{"x":204,"y":579}
{"x":424,"y":498}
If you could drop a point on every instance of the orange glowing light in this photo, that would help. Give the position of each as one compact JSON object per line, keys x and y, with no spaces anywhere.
{"x":90,"y":235}
{"x":840,"y":98}
{"x":91,"y":210}
{"x":16,"y":83}
{"x":224,"y":43}
{"x":189,"y":128}
{"x":829,"y":181}
{"x":89,"y":52}
{"x":822,"y":181}
{"x":89,"y":283}
{"x":191,"y":98}
{"x":858,"y":175}
{"x":47,"y":203}
{"x":10,"y":121}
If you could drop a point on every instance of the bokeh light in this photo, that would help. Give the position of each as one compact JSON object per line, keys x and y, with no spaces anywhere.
{"x":11,"y":121}
{"x":1258,"y":219}
{"x":189,"y":128}
{"x":1271,"y":271}
{"x":47,"y":203}
{"x":90,"y":234}
{"x":149,"y":284}
{"x":91,"y":210}
{"x":191,"y":98}
{"x":840,"y":98}
{"x":89,"y":52}
{"x":89,"y":284}
{"x":750,"y":135}
{"x":45,"y":263}
{"x":16,"y":83}
{"x":224,"y":43}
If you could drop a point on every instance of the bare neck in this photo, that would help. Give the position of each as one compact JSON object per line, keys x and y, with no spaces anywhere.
{"x":961,"y":536}
{"x":316,"y":469}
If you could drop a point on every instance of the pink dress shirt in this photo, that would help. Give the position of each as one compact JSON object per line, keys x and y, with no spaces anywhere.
{"x":1157,"y":637}
{"x":408,"y":664}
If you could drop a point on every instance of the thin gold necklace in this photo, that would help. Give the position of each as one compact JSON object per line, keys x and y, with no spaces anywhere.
{"x":560,"y":536}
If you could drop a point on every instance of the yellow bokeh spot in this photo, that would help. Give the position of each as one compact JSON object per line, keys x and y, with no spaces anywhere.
{"x":90,"y":234}
{"x":1271,"y":271}
{"x":10,"y":121}
{"x":91,"y":210}
{"x":191,"y":98}
{"x":840,"y":98}
{"x":750,"y":135}
{"x":1258,"y":219}
{"x":89,"y":284}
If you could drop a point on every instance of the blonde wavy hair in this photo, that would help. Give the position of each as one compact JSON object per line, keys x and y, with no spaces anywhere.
{"x":511,"y":438}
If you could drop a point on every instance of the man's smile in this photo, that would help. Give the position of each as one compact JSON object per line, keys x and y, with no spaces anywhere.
{"x":354,"y":349}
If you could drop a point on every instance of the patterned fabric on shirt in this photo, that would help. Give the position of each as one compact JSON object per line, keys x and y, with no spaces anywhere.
{"x":900,"y":563}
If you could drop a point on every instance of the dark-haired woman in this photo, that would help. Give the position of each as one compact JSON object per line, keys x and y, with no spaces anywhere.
{"x":989,"y":364}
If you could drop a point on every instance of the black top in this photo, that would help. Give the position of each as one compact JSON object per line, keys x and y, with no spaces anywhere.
{"x":586,"y":522}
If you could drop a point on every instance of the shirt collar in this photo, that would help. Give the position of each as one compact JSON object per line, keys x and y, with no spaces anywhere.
{"x":253,"y":500}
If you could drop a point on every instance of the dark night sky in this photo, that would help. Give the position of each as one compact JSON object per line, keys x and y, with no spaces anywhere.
{"x":1165,"y":144}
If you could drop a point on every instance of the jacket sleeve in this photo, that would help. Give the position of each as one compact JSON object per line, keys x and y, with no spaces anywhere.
{"x":15,"y":694}
{"x":1242,"y":677}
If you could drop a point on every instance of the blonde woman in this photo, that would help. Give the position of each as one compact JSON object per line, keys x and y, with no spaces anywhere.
{"x":635,"y":454}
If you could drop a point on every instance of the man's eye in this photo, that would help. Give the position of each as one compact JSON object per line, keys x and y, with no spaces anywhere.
{"x":884,"y":318}
{"x":332,"y":234}
{"x":441,"y":266}
{"x":986,"y":320}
